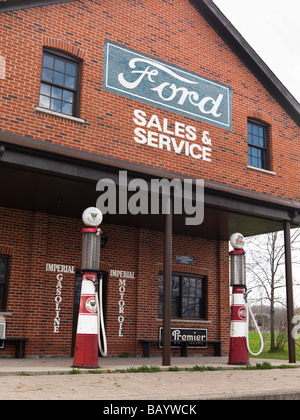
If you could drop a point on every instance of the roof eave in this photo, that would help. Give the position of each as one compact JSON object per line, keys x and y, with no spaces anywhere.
{"x":10,"y":5}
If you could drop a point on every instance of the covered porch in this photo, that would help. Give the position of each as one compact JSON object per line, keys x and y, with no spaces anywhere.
{"x":57,"y":180}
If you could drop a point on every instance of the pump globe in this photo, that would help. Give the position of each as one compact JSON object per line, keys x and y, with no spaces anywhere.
{"x":92,"y":216}
{"x":237,"y":240}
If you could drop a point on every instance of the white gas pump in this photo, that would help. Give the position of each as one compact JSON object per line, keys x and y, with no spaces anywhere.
{"x":240,"y":308}
{"x":90,"y":325}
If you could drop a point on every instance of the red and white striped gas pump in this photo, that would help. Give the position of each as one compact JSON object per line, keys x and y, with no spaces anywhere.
{"x":90,"y":318}
{"x":239,"y":345}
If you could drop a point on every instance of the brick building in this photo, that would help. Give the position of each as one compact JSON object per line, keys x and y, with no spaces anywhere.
{"x":156,"y":89}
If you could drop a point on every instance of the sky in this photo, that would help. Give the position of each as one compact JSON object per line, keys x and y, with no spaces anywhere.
{"x":273,"y":31}
{"x":272,"y":28}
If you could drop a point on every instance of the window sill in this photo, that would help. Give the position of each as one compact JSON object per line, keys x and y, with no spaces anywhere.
{"x":58,"y":114}
{"x":261,"y":170}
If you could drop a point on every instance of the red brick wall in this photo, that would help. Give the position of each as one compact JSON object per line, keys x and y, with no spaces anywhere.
{"x":165,"y":30}
{"x":161,"y":29}
{"x":33,"y":241}
{"x":40,"y":239}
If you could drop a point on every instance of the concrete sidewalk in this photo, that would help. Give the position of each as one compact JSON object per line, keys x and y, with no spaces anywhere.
{"x":40,"y":366}
{"x":49,"y":379}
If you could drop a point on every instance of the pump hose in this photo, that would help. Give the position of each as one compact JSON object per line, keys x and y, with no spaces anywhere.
{"x":103,"y":350}
{"x":257,"y":329}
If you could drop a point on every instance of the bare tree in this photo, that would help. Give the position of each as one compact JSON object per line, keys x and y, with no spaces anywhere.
{"x":266,"y":271}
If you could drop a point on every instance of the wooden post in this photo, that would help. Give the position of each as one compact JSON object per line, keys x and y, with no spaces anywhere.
{"x":166,"y":353}
{"x":289,"y":289}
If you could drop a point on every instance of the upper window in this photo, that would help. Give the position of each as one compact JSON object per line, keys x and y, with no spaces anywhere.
{"x":4,"y":276}
{"x":258,"y":144}
{"x":59,"y":83}
{"x":188,"y":296}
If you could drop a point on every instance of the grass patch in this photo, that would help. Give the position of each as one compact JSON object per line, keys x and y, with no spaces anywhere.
{"x":124,"y":355}
{"x":198,"y":368}
{"x":74,"y":372}
{"x":143,"y":368}
{"x":174,"y":369}
{"x":267,"y":365}
{"x":254,"y":343}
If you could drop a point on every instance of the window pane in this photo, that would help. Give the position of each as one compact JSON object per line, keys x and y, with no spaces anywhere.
{"x":197,"y":307}
{"x":185,"y":287}
{"x":188,"y":307}
{"x":3,"y":268}
{"x":191,"y":307}
{"x":4,"y":264}
{"x":56,"y":93}
{"x":192,"y":287}
{"x":261,"y":142}
{"x":56,"y":105}
{"x":175,"y":309}
{"x":45,"y":89}
{"x":185,"y":307}
{"x":58,"y":78}
{"x":71,"y":69}
{"x":48,"y":61}
{"x":160,"y":305}
{"x":175,"y":285}
{"x":68,"y":96}
{"x":44,"y":101}
{"x":70,"y":82}
{"x":161,"y":284}
{"x":47,"y":75}
{"x":67,"y":108}
{"x":2,"y":297}
{"x":59,"y":65}
{"x":257,"y":135}
{"x":58,"y":71}
{"x":199,"y":288}
{"x":187,"y":293}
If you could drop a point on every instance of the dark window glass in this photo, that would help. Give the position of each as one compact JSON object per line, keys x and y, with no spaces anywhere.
{"x":4,"y":277}
{"x":188,"y":296}
{"x":59,"y":83}
{"x":257,"y":145}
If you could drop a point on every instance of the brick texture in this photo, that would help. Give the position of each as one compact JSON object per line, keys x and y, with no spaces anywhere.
{"x":169,"y":30}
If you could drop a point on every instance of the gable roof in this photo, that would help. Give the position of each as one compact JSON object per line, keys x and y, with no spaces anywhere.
{"x":227,"y":32}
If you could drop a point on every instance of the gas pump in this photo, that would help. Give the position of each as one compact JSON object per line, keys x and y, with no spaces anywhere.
{"x":90,"y":325}
{"x":240,"y":309}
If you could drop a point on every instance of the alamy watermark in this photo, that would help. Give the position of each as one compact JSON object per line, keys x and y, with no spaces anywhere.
{"x":138,"y":196}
